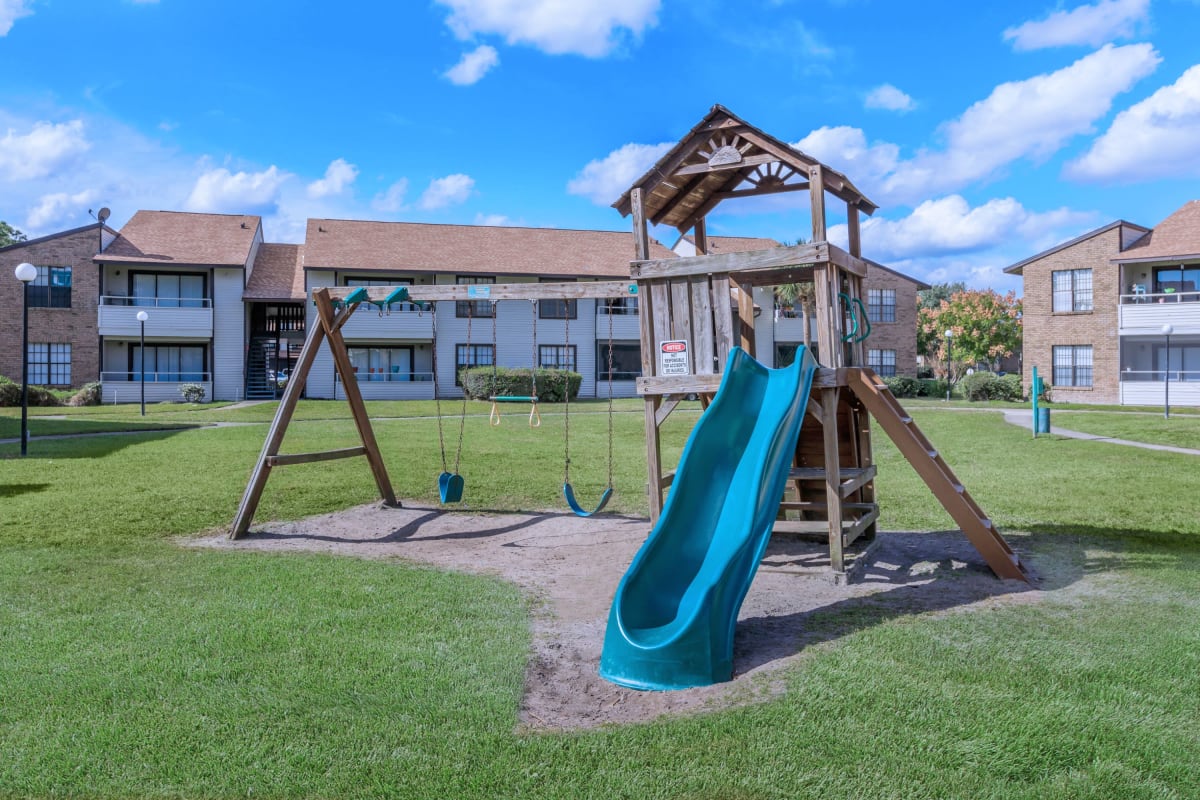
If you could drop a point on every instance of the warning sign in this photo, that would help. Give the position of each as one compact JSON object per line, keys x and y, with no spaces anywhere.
{"x":673,"y":358}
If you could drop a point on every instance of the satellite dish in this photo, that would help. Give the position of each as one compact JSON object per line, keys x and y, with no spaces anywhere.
{"x":103,"y":214}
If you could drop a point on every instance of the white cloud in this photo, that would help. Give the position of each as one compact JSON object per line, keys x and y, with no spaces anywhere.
{"x":221,"y":191}
{"x":846,"y":149}
{"x":494,"y":220}
{"x":1156,"y":138}
{"x":603,"y":180}
{"x":889,"y":98}
{"x":53,"y":209}
{"x":45,"y":149}
{"x":1032,"y":119}
{"x":10,"y":12}
{"x":391,"y":200}
{"x":338,"y":175}
{"x":1092,"y":25}
{"x":948,"y":225}
{"x":473,"y":66}
{"x":585,"y":27}
{"x":451,"y":190}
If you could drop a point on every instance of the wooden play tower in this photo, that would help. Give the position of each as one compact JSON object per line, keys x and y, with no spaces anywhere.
{"x":694,"y":310}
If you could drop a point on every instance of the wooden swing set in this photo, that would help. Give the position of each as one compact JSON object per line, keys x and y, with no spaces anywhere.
{"x":334,"y":307}
{"x":692,"y":311}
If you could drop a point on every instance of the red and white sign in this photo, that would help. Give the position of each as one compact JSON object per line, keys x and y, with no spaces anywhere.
{"x":673,"y":358}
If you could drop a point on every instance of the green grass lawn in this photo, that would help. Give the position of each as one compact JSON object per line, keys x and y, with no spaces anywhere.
{"x":131,"y":667}
{"x":1178,"y":431}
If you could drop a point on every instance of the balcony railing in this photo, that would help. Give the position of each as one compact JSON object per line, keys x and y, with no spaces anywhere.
{"x":133,"y":376}
{"x":1159,"y":376}
{"x":389,"y":377}
{"x":1140,"y":298}
{"x":157,"y":302}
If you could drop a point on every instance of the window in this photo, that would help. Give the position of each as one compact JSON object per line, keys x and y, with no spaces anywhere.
{"x":49,"y":364}
{"x":619,"y":305}
{"x":626,"y":361}
{"x":385,"y":282}
{"x":1178,"y":280}
{"x":883,"y":362}
{"x":557,"y":309}
{"x":1072,"y":290}
{"x":51,"y":288}
{"x":168,"y":363}
{"x":167,"y":289}
{"x":1185,"y":362}
{"x":382,"y":363}
{"x":1073,"y":365}
{"x":474,"y":308}
{"x":557,"y":356}
{"x":881,"y":305}
{"x":472,"y":355}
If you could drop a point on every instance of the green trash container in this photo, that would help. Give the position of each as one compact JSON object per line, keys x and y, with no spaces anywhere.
{"x":1042,"y":422}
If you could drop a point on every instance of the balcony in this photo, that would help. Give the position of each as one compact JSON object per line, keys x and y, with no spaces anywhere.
{"x":624,"y":325}
{"x":389,"y":386}
{"x":126,"y":387}
{"x":400,"y":324}
{"x":1149,"y":387}
{"x":1145,"y":314}
{"x":174,"y":317}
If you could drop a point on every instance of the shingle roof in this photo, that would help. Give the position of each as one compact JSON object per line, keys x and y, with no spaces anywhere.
{"x":1177,"y":236}
{"x":277,"y":273}
{"x":57,"y":235}
{"x":179,"y":237}
{"x":1017,"y":268}
{"x":469,"y":249}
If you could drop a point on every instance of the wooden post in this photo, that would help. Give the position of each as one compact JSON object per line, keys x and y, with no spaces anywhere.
{"x":853,"y":231}
{"x":833,"y":479}
{"x":816,"y":191}
{"x":700,"y":233}
{"x":746,"y":317}
{"x":829,"y":327}
{"x":641,"y":234}
{"x":341,"y":361}
{"x":283,"y":416}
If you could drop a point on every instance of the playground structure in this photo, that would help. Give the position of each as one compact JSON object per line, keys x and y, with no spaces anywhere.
{"x":705,"y":302}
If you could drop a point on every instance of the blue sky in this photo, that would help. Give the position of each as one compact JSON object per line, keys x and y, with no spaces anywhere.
{"x":985,"y":131}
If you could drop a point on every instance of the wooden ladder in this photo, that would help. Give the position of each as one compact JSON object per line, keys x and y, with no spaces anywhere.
{"x":941,"y":480}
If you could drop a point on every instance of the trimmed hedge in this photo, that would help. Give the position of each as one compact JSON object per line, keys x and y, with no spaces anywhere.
{"x":902,"y":386}
{"x":478,"y":383}
{"x":982,"y":386}
{"x":10,"y":394}
{"x":89,"y":395}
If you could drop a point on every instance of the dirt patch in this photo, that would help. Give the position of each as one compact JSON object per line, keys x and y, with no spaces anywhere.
{"x":570,"y":568}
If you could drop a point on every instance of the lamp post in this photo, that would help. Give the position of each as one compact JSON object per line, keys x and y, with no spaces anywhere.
{"x":949,"y":339}
{"x":1167,"y":331}
{"x":25,"y":274}
{"x":142,"y":316}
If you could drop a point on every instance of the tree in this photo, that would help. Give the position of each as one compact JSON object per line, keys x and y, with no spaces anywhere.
{"x":986,"y":327}
{"x":934,"y":295}
{"x":9,"y":234}
{"x":803,"y":294}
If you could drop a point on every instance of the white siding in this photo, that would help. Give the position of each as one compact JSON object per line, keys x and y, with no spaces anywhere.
{"x":320,"y":378}
{"x":1152,"y":393}
{"x":1148,"y":318}
{"x":131,"y":392}
{"x":229,"y":335}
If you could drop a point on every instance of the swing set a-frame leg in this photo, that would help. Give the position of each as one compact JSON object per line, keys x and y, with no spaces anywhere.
{"x":328,"y":327}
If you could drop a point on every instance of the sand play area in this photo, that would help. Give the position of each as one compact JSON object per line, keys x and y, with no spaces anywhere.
{"x":569,"y":568}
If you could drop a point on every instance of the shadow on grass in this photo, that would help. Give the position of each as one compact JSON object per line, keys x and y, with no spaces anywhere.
{"x":92,"y":445}
{"x":14,"y":489}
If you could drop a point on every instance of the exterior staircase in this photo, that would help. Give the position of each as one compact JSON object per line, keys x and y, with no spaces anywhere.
{"x":260,"y":369}
{"x":945,"y":485}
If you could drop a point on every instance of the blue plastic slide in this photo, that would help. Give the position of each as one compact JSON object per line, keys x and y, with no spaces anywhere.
{"x":672,"y":620}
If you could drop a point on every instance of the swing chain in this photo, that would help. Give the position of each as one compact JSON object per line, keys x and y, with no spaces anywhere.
{"x":533,"y":361}
{"x":610,"y":397}
{"x":437,"y":395}
{"x":462,"y":418}
{"x":567,"y":406}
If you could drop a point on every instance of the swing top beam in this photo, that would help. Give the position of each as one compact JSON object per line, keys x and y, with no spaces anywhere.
{"x":583,"y":290}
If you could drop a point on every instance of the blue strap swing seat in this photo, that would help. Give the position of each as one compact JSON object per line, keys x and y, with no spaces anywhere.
{"x":450,"y":484}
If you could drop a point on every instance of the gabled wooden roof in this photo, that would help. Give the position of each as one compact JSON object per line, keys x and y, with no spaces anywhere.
{"x":724,"y":157}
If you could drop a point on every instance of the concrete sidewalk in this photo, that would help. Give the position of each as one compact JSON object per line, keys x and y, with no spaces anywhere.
{"x":1024,"y":419}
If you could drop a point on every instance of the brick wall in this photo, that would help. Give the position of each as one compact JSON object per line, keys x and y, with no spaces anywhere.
{"x":75,"y":325}
{"x":1043,"y":328}
{"x":900,"y":335}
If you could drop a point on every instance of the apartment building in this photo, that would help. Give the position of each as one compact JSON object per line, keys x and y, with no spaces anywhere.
{"x":229,"y":311}
{"x":1113,"y":316}
{"x":891,"y":299}
{"x":64,"y":349}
